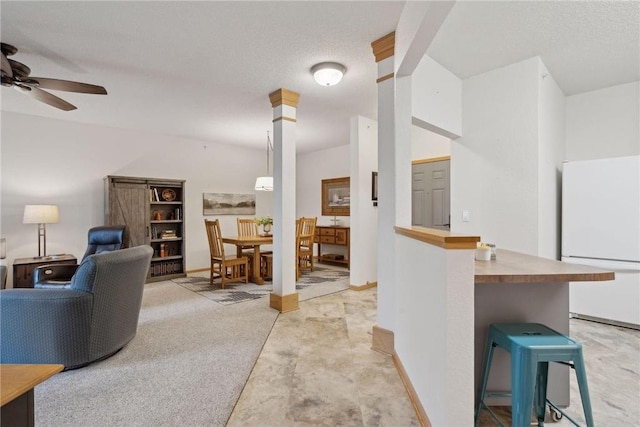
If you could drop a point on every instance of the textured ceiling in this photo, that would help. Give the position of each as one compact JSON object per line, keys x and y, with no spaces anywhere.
{"x":586,"y":45}
{"x":204,"y":69}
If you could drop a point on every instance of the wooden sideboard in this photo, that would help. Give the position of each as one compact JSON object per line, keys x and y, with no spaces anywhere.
{"x":333,"y":235}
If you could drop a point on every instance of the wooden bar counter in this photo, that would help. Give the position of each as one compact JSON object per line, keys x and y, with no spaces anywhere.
{"x":522,"y":288}
{"x":514,"y":267}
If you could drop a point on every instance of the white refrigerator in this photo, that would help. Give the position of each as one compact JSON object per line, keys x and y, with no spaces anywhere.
{"x":601,"y":228}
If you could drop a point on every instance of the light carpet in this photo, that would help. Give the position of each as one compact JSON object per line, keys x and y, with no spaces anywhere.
{"x":328,"y":279}
{"x":186,"y":366}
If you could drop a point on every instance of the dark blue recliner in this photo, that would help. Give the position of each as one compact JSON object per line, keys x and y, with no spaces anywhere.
{"x":101,"y":239}
{"x":91,"y":320}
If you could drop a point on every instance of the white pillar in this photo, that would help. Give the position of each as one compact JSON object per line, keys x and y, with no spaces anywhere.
{"x":364,"y":215}
{"x":284,"y":297}
{"x":383,"y":49}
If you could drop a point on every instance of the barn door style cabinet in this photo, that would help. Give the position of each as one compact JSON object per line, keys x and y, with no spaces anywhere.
{"x":153,"y":211}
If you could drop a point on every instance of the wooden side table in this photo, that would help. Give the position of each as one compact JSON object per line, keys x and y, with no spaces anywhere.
{"x":23,"y":267}
{"x":333,"y":235}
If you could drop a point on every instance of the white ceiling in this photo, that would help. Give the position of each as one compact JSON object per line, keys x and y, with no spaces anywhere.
{"x":204,"y":69}
{"x":585,"y":45}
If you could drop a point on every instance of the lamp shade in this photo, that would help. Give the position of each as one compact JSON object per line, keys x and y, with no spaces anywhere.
{"x":40,"y":214}
{"x":264,"y":183}
{"x":328,"y":73}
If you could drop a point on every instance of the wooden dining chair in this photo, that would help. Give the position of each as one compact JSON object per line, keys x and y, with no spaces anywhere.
{"x":246,"y":227}
{"x":230,"y":268}
{"x":305,"y":235}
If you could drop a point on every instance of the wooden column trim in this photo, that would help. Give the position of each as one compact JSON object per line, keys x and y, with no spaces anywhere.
{"x":384,"y":47}
{"x":284,"y":303}
{"x":385,"y":77}
{"x":283,"y":118}
{"x":284,"y":96}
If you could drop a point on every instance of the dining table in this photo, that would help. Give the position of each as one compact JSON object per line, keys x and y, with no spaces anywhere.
{"x":255,"y":242}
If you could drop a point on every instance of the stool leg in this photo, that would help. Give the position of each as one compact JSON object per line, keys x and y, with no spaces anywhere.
{"x":541,"y":391}
{"x":523,"y":383}
{"x":581,"y":375}
{"x":488,"y":355}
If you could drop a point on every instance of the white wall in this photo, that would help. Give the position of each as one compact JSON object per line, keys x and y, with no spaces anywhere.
{"x":364,"y":228}
{"x":426,"y":144}
{"x":603,"y":123}
{"x":312,"y":168}
{"x":436,"y":98}
{"x":434,"y":324}
{"x":551,"y":148}
{"x":494,"y":174}
{"x":46,"y":161}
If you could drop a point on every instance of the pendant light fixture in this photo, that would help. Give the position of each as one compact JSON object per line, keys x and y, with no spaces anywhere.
{"x":265,"y":183}
{"x":328,"y":73}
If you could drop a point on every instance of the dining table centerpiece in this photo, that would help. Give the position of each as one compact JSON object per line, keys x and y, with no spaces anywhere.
{"x":266,"y":222}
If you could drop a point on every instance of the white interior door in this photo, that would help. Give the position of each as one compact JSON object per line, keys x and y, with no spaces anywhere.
{"x":430,"y":189}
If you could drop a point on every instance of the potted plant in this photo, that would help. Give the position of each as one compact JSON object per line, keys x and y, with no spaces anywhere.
{"x":266,"y":222}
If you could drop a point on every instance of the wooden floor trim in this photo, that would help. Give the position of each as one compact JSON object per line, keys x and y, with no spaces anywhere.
{"x":197,"y":270}
{"x":413,"y":396}
{"x":368,"y":285}
{"x":383,"y":341}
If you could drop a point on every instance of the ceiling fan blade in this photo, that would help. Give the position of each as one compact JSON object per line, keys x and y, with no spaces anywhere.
{"x":47,"y":98}
{"x":6,"y":66}
{"x":69,"y":86}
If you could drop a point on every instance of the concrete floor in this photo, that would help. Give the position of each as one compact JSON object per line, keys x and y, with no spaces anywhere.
{"x":317,"y":369}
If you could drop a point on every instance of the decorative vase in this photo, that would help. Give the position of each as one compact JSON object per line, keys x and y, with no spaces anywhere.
{"x":267,"y":229}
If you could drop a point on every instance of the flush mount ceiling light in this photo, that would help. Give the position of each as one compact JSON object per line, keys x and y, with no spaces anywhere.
{"x":328,"y":73}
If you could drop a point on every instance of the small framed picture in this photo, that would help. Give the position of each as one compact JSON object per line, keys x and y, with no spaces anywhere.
{"x":336,"y":196}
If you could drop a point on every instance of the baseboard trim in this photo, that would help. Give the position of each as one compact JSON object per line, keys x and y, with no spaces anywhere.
{"x":284,"y":303}
{"x":368,"y":285}
{"x":605,"y":321}
{"x":382,"y":340}
{"x":197,"y":270}
{"x":413,"y":396}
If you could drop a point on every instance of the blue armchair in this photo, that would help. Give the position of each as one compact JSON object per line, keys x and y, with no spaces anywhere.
{"x":91,"y":320}
{"x":101,"y":239}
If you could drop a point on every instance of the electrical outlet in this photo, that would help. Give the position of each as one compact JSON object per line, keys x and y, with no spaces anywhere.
{"x":466,"y":216}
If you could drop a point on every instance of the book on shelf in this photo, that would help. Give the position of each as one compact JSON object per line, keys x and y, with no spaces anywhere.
{"x":168,"y":234}
{"x":155,"y":195}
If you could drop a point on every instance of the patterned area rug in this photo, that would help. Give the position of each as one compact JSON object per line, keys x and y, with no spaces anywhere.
{"x":239,"y":292}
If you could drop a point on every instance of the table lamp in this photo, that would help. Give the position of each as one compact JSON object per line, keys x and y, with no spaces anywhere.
{"x":41,"y":215}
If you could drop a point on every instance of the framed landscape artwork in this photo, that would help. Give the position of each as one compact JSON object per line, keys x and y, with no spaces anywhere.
{"x":336,"y":196}
{"x":228,"y":204}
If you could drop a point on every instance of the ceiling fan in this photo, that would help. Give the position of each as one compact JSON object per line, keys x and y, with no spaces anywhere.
{"x":16,"y":74}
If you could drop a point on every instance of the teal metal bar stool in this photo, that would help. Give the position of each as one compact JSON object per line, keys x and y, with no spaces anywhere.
{"x":532,"y":346}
